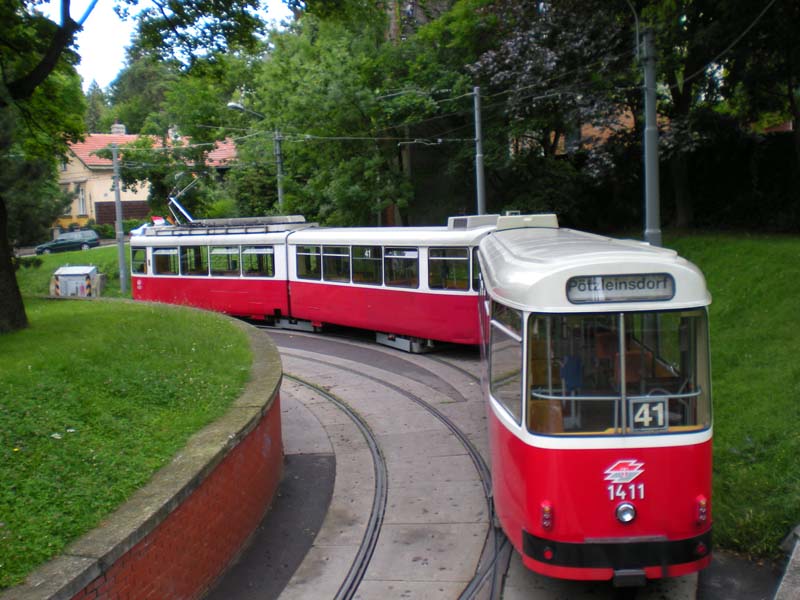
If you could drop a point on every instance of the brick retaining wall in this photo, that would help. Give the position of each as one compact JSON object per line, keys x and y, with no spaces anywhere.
{"x":179,"y":533}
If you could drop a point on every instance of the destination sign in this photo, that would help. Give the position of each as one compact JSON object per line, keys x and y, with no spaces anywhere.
{"x":594,"y":289}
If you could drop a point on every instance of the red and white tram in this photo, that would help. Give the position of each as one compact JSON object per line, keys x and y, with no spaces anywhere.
{"x":599,"y":402}
{"x":411,"y":285}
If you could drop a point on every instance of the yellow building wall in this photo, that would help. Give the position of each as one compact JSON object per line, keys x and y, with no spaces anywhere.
{"x":97,"y":185}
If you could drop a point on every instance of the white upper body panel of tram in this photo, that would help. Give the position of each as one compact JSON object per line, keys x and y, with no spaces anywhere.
{"x":460,"y":231}
{"x":541,"y":268}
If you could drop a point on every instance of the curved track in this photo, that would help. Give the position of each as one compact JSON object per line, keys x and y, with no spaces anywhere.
{"x":370,"y":539}
{"x":486,"y":576}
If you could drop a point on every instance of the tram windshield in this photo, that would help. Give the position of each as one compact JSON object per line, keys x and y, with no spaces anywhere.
{"x":618,"y":374}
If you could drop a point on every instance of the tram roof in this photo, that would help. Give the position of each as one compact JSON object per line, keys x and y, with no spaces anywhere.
{"x":529,"y":268}
{"x":460,"y":231}
{"x":390,"y":236}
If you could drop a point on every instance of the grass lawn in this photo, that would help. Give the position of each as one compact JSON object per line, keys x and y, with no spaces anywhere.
{"x":94,"y":398}
{"x":755,"y":352}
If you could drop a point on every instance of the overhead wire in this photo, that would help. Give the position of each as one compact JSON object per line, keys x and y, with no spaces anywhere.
{"x":730,"y":46}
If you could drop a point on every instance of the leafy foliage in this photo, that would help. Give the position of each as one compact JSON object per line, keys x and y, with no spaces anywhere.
{"x":191,"y":29}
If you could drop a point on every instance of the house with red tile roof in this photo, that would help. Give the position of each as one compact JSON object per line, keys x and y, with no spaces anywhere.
{"x":91,"y":179}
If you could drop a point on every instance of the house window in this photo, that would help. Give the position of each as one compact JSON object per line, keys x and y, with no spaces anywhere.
{"x":80,"y":190}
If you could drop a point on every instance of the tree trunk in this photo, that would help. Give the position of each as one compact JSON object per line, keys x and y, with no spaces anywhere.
{"x":679,"y":170}
{"x":12,"y":310}
{"x":795,"y":111}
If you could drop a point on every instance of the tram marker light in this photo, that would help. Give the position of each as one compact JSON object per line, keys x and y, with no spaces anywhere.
{"x":626,"y":513}
{"x":547,"y":515}
{"x":548,"y":553}
{"x":702,"y":509}
{"x":701,"y":549}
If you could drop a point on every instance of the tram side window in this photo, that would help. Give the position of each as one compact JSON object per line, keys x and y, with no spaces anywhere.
{"x":258,"y":261}
{"x":368,"y":264}
{"x":448,"y":268}
{"x":505,"y":367}
{"x":138,"y":260}
{"x":224,"y":261}
{"x":194,"y":260}
{"x":336,"y":263}
{"x":401,"y":266}
{"x":308,"y":263}
{"x":165,"y":261}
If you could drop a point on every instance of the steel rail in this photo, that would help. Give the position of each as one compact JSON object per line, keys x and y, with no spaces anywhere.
{"x":367,"y":547}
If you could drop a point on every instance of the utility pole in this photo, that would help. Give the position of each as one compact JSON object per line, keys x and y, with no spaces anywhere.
{"x":479,"y":181}
{"x":279,"y":167}
{"x":277,"y":138}
{"x":123,"y":269}
{"x":652,"y":207}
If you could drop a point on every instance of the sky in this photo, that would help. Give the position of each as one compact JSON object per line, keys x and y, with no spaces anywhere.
{"x":105,"y":36}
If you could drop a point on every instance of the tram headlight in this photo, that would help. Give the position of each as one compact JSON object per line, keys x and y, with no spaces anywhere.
{"x":626,"y":513}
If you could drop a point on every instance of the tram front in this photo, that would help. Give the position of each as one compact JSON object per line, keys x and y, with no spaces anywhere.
{"x":599,"y":403}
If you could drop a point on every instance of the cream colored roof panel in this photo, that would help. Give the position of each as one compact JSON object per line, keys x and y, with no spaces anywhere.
{"x":530,"y":268}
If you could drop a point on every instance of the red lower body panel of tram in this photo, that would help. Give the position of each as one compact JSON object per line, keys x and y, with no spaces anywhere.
{"x":252,"y":298}
{"x":443,"y":317}
{"x":598,"y":514}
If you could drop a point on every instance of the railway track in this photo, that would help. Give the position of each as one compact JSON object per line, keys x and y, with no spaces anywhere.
{"x":492,"y":562}
{"x":359,"y":566}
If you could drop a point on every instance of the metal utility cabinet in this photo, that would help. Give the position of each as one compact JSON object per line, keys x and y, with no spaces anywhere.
{"x":82,"y":281}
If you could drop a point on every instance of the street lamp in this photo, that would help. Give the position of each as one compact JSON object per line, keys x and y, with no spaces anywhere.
{"x":277,"y":138}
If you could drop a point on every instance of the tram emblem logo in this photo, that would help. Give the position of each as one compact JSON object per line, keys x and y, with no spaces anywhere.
{"x":624,"y":471}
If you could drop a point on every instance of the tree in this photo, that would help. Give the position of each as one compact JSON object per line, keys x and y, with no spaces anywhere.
{"x":558,"y":66}
{"x":319,"y":89}
{"x":36,"y":58}
{"x":37,"y":66}
{"x":137,"y":94}
{"x":35,"y":200}
{"x":97,"y":118}
{"x":762,"y":75}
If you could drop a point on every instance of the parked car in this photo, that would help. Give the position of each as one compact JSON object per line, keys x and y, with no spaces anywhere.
{"x":70,"y":240}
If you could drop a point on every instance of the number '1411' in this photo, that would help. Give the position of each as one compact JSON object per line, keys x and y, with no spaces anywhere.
{"x":633,"y":491}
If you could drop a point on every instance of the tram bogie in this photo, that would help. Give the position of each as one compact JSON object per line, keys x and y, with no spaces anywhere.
{"x":599,"y":403}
